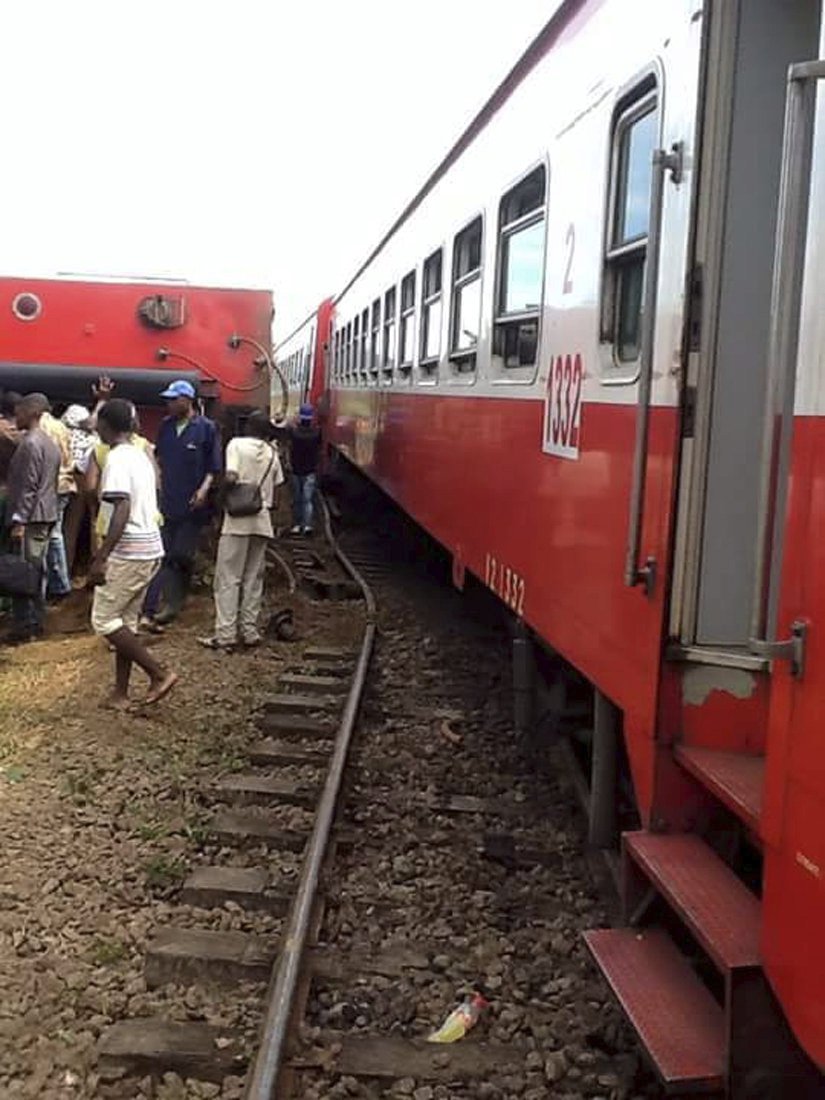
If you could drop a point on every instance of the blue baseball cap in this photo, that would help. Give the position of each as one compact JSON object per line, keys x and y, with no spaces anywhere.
{"x":181,"y":388}
{"x":305,"y":412}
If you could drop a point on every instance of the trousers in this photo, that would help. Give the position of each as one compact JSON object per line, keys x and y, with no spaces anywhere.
{"x":29,"y":612}
{"x":239,"y":587}
{"x":58,"y":581}
{"x":303,"y":492}
{"x":180,"y":544}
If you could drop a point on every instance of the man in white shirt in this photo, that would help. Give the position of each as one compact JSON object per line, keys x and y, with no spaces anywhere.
{"x":129,"y":555}
{"x":251,"y":460}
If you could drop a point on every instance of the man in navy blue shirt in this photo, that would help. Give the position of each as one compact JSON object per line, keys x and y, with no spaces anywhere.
{"x":188,"y":452}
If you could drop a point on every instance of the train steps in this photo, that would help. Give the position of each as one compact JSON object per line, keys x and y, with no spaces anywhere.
{"x":734,"y":778}
{"x":684,"y":1028}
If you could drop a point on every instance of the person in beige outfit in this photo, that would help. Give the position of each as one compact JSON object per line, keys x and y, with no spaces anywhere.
{"x":58,"y":581}
{"x":251,"y":459}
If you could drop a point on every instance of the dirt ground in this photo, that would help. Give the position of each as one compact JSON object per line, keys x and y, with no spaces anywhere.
{"x":101,"y":815}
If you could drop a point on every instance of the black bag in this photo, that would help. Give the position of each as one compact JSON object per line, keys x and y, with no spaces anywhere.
{"x":18,"y":577}
{"x":243,"y":498}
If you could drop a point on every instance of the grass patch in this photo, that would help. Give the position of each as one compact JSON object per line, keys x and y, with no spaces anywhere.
{"x":107,"y":952}
{"x":163,"y":873}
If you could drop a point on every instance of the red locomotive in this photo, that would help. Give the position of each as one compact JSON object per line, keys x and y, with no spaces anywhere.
{"x":588,"y":358}
{"x":60,"y":335}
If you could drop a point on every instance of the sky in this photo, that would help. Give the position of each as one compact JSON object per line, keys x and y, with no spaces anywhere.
{"x":234,"y":142}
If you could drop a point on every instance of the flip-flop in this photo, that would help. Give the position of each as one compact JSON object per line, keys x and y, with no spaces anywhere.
{"x":164,"y":689}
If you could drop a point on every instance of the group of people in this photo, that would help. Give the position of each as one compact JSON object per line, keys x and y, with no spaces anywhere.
{"x":150,"y":509}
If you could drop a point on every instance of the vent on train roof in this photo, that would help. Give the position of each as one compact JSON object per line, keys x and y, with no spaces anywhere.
{"x":161,"y":311}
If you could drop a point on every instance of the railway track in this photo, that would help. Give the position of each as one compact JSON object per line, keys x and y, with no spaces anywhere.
{"x":427,"y":873}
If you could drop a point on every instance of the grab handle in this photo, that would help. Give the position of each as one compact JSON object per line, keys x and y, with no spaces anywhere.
{"x":786,"y":300}
{"x":634,"y":573}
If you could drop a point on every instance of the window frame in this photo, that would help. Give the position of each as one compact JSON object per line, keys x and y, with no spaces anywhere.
{"x":375,"y":337}
{"x":387,"y":359}
{"x":632,"y":104}
{"x":407,"y":316}
{"x":464,"y":361}
{"x":522,"y":373}
{"x":356,"y":348}
{"x":428,"y":364}
{"x":363,"y":360}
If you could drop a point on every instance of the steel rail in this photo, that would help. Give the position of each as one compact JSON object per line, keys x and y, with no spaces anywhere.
{"x":262,"y":1081}
{"x":286,"y":568}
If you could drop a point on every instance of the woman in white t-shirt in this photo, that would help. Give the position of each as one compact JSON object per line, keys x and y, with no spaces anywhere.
{"x":239,"y":569}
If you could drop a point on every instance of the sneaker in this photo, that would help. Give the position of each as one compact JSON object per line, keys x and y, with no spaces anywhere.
{"x":213,"y":643}
{"x":149,"y":625}
{"x":306,"y":530}
{"x":295,"y":530}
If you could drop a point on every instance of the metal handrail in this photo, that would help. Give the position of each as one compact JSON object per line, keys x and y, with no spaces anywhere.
{"x":263,"y":1078}
{"x":634,"y":574}
{"x":786,"y":301}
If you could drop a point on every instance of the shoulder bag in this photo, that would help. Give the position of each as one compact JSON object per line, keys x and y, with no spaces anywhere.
{"x":243,"y":498}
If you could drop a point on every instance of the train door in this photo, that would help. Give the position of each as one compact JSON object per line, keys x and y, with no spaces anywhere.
{"x":749,"y":46}
{"x":792,"y":611}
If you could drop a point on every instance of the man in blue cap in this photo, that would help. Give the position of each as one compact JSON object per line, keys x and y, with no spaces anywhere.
{"x":188,"y":452}
{"x":305,"y":452}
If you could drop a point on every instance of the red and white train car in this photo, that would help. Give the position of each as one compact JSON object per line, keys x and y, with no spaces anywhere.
{"x":301,"y":363}
{"x":588,"y":357}
{"x":59,"y":335}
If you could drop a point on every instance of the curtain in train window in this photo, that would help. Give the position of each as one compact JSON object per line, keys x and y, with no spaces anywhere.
{"x":634,"y":141}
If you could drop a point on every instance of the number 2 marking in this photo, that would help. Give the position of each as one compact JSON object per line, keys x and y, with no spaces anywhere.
{"x":570,"y":241}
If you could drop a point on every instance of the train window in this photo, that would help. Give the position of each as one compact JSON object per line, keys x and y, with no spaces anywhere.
{"x":388,"y":355}
{"x":431,"y":312}
{"x":521,"y":247}
{"x":348,"y":353}
{"x":406,"y":338}
{"x":375,"y":337}
{"x":362,"y":354}
{"x":466,"y":296}
{"x":634,"y":140}
{"x":356,"y":348}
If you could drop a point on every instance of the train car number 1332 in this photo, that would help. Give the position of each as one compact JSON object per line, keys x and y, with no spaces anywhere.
{"x":505,"y":582}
